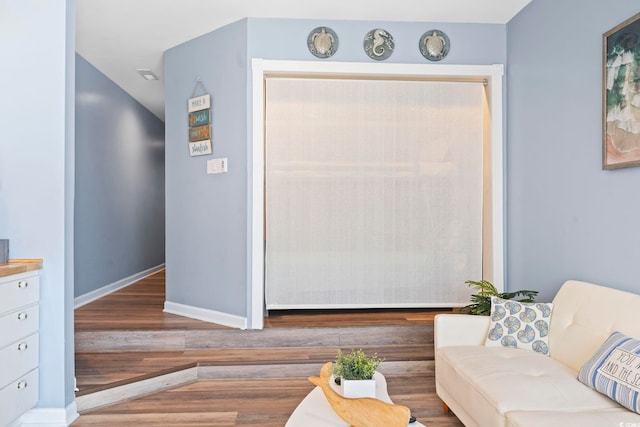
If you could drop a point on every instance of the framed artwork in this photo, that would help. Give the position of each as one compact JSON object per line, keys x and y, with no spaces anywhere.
{"x":621,"y":95}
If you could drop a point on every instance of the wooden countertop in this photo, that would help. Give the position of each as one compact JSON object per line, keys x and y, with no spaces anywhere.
{"x":16,"y":266}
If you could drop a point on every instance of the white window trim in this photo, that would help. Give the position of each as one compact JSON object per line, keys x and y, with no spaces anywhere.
{"x":492,"y":74}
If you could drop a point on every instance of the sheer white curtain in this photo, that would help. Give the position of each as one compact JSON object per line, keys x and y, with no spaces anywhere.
{"x":373,"y":192}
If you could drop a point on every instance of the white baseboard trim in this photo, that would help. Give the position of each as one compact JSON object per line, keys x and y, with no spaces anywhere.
{"x":107,"y":289}
{"x":206,"y":315}
{"x":50,"y":417}
{"x":136,"y":389}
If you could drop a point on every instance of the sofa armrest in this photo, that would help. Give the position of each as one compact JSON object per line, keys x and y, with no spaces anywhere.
{"x":460,"y":329}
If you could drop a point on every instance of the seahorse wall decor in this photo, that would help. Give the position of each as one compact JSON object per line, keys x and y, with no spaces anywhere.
{"x":380,"y":37}
{"x":361,"y":412}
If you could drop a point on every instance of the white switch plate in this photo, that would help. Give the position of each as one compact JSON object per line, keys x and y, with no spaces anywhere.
{"x":217,"y":165}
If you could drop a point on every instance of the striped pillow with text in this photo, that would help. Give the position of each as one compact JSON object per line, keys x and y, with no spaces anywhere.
{"x":614,"y":370}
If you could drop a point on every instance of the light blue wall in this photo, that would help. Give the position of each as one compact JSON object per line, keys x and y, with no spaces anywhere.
{"x":567,"y":218}
{"x":207,"y":229}
{"x":119,"y":203}
{"x":36,"y":169}
{"x":206,"y":214}
{"x":287,"y":39}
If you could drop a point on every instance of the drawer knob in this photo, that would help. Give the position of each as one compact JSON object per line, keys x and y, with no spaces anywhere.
{"x":22,"y":384}
{"x":22,"y":315}
{"x":22,"y":284}
{"x":23,"y":346}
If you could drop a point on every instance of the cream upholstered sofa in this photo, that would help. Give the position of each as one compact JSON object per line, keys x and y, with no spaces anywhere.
{"x":498,"y":386}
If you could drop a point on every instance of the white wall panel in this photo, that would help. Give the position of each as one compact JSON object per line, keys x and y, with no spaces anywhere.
{"x":373,"y":192}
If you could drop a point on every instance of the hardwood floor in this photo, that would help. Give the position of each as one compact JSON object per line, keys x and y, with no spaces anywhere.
{"x":251,"y":403}
{"x":136,"y":307}
{"x":139,"y":307}
{"x":125,"y":336}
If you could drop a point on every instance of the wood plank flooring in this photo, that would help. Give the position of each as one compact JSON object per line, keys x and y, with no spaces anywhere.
{"x":136,"y":307}
{"x":252,"y":403}
{"x":137,"y":310}
{"x":139,"y":307}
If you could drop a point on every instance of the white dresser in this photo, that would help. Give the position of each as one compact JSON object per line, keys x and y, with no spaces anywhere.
{"x":19,"y":313}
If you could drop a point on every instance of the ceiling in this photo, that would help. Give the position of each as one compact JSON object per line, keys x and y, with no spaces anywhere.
{"x":120,"y":36}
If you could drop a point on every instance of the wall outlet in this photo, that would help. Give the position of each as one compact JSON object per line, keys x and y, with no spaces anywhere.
{"x":217,"y":165}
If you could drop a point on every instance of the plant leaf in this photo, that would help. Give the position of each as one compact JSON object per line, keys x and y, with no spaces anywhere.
{"x":481,"y":301}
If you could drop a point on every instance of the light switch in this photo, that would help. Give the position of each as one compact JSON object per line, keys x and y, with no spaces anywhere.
{"x":217,"y":165}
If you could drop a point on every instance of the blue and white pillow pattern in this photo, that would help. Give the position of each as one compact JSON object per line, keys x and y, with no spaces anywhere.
{"x":614,"y":370}
{"x":519,"y":325}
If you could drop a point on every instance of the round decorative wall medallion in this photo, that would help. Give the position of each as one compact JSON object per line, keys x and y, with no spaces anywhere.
{"x":434,"y":45}
{"x":322,"y":42}
{"x":378,"y":44}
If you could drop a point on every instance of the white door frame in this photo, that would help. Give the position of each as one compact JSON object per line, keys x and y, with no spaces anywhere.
{"x":492,"y":74}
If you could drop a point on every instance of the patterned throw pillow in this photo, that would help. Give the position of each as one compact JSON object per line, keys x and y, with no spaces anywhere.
{"x":614,"y":370}
{"x":519,"y":325}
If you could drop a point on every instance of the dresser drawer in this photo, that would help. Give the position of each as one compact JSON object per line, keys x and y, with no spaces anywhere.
{"x":18,"y":397}
{"x":18,"y":324}
{"x":18,"y":291}
{"x":18,"y":358}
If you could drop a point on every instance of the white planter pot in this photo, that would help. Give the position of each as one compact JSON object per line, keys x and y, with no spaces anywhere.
{"x":358,"y":388}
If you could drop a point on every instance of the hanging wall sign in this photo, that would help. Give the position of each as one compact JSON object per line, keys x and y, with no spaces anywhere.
{"x":199,"y":133}
{"x":199,"y":122}
{"x":200,"y":148}
{"x":200,"y":103}
{"x":199,"y":118}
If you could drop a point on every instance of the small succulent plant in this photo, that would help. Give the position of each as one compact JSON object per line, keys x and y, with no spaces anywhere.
{"x":355,"y":365}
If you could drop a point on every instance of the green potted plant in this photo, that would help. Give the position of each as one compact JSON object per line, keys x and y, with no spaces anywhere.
{"x":355,"y":373}
{"x":481,"y":301}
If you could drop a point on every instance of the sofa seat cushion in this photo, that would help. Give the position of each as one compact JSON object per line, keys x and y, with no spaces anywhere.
{"x":618,"y":417}
{"x":492,"y":381}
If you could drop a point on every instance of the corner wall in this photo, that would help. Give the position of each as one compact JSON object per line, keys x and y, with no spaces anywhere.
{"x":36,"y":170}
{"x":208,"y":233}
{"x":206,"y":222}
{"x":567,"y":218}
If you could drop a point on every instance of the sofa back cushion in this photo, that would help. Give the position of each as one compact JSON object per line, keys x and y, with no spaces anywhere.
{"x":584,"y":315}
